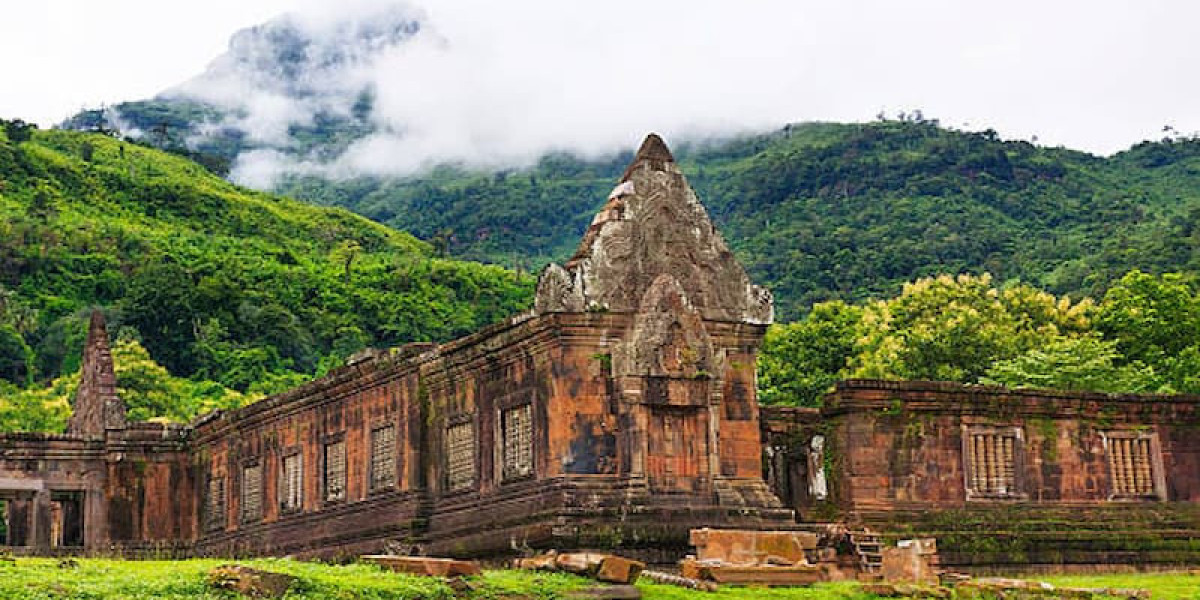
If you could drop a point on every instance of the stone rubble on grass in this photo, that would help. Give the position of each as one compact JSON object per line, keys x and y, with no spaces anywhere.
{"x":255,"y":583}
{"x":606,"y":592}
{"x":680,"y":581}
{"x":424,"y":565}
{"x":608,"y":568}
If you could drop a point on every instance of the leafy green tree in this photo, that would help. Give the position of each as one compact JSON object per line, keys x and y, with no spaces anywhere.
{"x":1151,"y":317}
{"x":800,"y":361}
{"x":17,"y":130}
{"x":954,"y":328}
{"x":16,"y":358}
{"x":1078,"y":363}
{"x":44,"y":409}
{"x":149,"y":391}
{"x":1182,"y":371}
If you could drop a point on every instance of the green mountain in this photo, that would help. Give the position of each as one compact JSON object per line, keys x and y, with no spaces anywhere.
{"x":826,"y":211}
{"x":250,"y":290}
{"x":817,"y":211}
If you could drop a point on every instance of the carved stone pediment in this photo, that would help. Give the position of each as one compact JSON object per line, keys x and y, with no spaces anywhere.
{"x":654,"y":225}
{"x":669,"y":339}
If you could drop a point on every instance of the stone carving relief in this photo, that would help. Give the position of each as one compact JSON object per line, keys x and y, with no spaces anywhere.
{"x":557,"y":291}
{"x":668,"y":339}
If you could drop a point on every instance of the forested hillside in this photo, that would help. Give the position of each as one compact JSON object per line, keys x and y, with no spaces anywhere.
{"x":1051,"y":261}
{"x":828,"y":211}
{"x":211,"y":281}
{"x":817,"y":211}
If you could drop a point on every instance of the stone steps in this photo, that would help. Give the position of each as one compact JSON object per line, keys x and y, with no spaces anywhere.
{"x":869,"y":548}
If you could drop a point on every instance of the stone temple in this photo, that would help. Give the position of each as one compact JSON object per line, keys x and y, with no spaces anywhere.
{"x":619,"y":413}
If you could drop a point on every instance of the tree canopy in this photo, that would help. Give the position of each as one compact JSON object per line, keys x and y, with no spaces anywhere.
{"x":967,"y":329}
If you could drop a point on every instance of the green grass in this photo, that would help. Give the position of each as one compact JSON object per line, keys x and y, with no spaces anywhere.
{"x":43,"y":579}
{"x":1162,"y":586}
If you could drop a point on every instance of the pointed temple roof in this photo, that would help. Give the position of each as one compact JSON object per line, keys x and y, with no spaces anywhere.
{"x":654,"y":151}
{"x":97,"y":406}
{"x":653,"y":226}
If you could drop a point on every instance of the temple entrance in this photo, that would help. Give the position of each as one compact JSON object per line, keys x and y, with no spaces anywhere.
{"x":17,"y":509}
{"x":3,"y":522}
{"x":677,"y":449}
{"x":66,"y":519}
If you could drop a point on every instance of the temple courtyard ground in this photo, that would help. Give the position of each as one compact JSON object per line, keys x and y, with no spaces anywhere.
{"x":46,"y":578}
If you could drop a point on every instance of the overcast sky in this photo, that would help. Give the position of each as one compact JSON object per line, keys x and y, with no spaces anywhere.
{"x":1098,"y":75}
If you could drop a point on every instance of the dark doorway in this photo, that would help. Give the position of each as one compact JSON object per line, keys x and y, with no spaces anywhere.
{"x":16,"y":521}
{"x":3,"y":522}
{"x":66,"y":509}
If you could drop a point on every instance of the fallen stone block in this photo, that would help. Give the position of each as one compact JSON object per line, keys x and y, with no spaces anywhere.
{"x":617,"y":569}
{"x":579,"y":563}
{"x":752,"y":575}
{"x":255,"y":583}
{"x":608,"y":568}
{"x":1020,"y":588}
{"x":541,"y":562}
{"x":423,"y":565}
{"x":951,"y":579}
{"x":907,"y":564}
{"x":690,"y":583}
{"x":1127,"y":594}
{"x":741,"y":546}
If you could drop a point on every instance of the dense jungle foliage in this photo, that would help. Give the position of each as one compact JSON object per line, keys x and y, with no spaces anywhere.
{"x":841,"y":212}
{"x":816,"y":211}
{"x":234,"y":293}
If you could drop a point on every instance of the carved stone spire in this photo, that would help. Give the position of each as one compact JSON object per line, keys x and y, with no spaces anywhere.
{"x":97,"y":406}
{"x":653,"y":225}
{"x":653,"y":150}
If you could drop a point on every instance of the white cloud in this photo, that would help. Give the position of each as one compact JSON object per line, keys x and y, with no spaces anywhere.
{"x":500,"y":82}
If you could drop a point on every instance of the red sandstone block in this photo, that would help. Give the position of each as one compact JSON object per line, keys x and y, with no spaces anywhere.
{"x":421,"y":565}
{"x":745,"y":547}
{"x":616,"y":569}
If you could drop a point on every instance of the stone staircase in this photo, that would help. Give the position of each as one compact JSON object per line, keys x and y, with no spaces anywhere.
{"x":869,"y":549}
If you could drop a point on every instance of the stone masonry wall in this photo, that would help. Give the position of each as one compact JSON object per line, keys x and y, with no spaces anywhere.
{"x":1003,"y":476}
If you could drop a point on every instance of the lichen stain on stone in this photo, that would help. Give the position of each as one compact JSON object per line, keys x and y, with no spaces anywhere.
{"x":592,"y":452}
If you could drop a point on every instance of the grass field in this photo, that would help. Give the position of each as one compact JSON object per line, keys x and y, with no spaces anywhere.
{"x":44,"y":579}
{"x":1162,"y":586}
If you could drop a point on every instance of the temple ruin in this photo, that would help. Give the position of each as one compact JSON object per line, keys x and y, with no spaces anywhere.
{"x":619,"y":413}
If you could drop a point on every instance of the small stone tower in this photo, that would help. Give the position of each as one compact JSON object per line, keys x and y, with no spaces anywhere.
{"x":97,"y":407}
{"x":683,"y":367}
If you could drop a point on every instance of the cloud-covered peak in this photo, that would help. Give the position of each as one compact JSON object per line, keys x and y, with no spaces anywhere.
{"x":360,"y":87}
{"x":301,"y":56}
{"x":394,"y":89}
